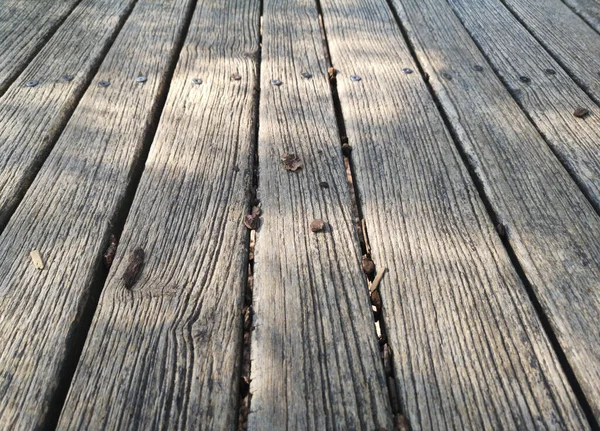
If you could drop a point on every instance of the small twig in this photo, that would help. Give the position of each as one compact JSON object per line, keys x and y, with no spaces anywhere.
{"x":366,"y":239}
{"x":377,"y":280}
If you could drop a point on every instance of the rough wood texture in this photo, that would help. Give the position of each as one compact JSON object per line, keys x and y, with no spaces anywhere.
{"x":469,"y":351}
{"x":66,"y":214}
{"x":563,"y":33}
{"x":315,"y":359}
{"x":549,"y":96}
{"x":552,"y":228}
{"x":24,"y":27}
{"x":165,"y":355}
{"x":589,"y":10}
{"x":31,"y":118}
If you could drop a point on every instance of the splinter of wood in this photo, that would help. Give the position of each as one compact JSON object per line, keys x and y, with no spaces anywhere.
{"x":36,"y":258}
{"x":134,"y":269}
{"x":375,"y":284}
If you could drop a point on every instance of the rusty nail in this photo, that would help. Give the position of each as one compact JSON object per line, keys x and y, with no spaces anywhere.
{"x":524,"y":79}
{"x":306,"y":75}
{"x":197,"y":81}
{"x":141,"y":78}
{"x":407,"y":70}
{"x":67,"y":78}
{"x":355,"y":78}
{"x":103,"y":84}
{"x":580,"y":112}
{"x":447,"y":76}
{"x":477,"y":68}
{"x":32,"y":83}
{"x":276,"y":82}
{"x":550,"y":72}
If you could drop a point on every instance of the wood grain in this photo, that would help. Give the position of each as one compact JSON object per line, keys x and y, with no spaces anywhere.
{"x":24,"y":28}
{"x":165,"y":354}
{"x":315,"y":359}
{"x":468,"y":349}
{"x":549,"y":96}
{"x":551,"y":227}
{"x":564,"y":34}
{"x":589,"y":10}
{"x":67,"y":213}
{"x":31,"y":118}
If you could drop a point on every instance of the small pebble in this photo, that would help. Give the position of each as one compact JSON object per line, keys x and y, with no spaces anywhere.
{"x":581,"y":112}
{"x":318,"y":225}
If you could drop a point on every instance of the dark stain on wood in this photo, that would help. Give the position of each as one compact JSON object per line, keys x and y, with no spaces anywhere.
{"x":134,"y":269}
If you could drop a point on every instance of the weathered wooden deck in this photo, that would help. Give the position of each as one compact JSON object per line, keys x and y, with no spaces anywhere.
{"x":454,"y":144}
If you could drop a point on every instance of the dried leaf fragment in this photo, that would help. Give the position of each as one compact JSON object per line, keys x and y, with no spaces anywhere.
{"x":318,"y":225}
{"x":252,"y":220}
{"x":581,"y":112}
{"x":134,"y":269}
{"x":36,"y":258}
{"x":332,"y":72}
{"x":291,"y":162}
{"x":368,"y":266}
{"x":111,"y":250}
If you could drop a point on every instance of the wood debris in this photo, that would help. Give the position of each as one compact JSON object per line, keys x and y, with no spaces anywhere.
{"x":36,"y":258}
{"x":291,"y":162}
{"x":111,"y":250}
{"x":252,"y":220}
{"x":134,"y":269}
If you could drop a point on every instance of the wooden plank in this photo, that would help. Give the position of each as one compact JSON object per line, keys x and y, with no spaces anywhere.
{"x":542,"y":88}
{"x":31,"y":118}
{"x":564,"y":34}
{"x":24,"y":28}
{"x":67,"y":213}
{"x":551,"y":227}
{"x":468,"y":349}
{"x":589,"y":10}
{"x":165,"y":355}
{"x":315,"y":359}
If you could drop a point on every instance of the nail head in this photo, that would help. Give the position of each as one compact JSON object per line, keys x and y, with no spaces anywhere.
{"x":407,"y":70}
{"x":524,"y":79}
{"x":446,"y":75}
{"x":67,"y":78}
{"x":32,"y":83}
{"x":103,"y":84}
{"x":550,"y":72}
{"x":355,"y":78}
{"x":141,"y":78}
{"x":276,"y":82}
{"x":478,"y":68}
{"x":306,"y":75}
{"x":197,"y":81}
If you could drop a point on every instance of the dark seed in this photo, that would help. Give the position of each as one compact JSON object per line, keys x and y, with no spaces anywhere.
{"x":346,"y":149}
{"x":407,"y":70}
{"x":524,"y":79}
{"x":32,"y":83}
{"x":134,"y":269}
{"x":550,"y":72}
{"x":236,"y":76}
{"x":477,"y":68}
{"x":324,"y":185}
{"x":276,"y":82}
{"x":581,"y":112}
{"x":306,"y":75}
{"x":103,"y":84}
{"x":318,"y":225}
{"x":197,"y":81}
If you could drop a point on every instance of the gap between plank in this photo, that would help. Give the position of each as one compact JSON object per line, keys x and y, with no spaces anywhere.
{"x":100,"y":271}
{"x":562,"y":359}
{"x":43,"y":154}
{"x":11,"y":79}
{"x":244,"y":395}
{"x":400,"y":422}
{"x":583,"y":18}
{"x":504,"y":81}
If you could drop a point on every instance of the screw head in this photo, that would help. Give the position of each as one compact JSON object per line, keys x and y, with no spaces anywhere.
{"x":355,"y":78}
{"x":32,"y":83}
{"x":103,"y":84}
{"x":67,"y":78}
{"x":197,"y":81}
{"x":276,"y":82}
{"x":306,"y":75}
{"x":141,"y":78}
{"x":407,"y":70}
{"x":524,"y":79}
{"x":478,"y":68}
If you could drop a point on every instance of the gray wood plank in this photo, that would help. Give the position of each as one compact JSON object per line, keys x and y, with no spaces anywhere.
{"x":589,"y":10}
{"x":31,"y":118}
{"x":165,"y":355}
{"x":468,"y":349}
{"x":542,"y":88}
{"x":315,"y":359}
{"x":563,"y":33}
{"x":24,"y":28}
{"x":552,"y":228}
{"x":67,"y":213}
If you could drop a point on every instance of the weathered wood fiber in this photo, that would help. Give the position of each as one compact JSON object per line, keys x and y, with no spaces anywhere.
{"x":315,"y":359}
{"x":548,"y":95}
{"x":552,"y":228}
{"x":589,"y":10}
{"x":469,"y":351}
{"x":24,"y":27}
{"x":564,"y":34}
{"x":31,"y":118}
{"x":66,"y":214}
{"x":166,"y":354}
